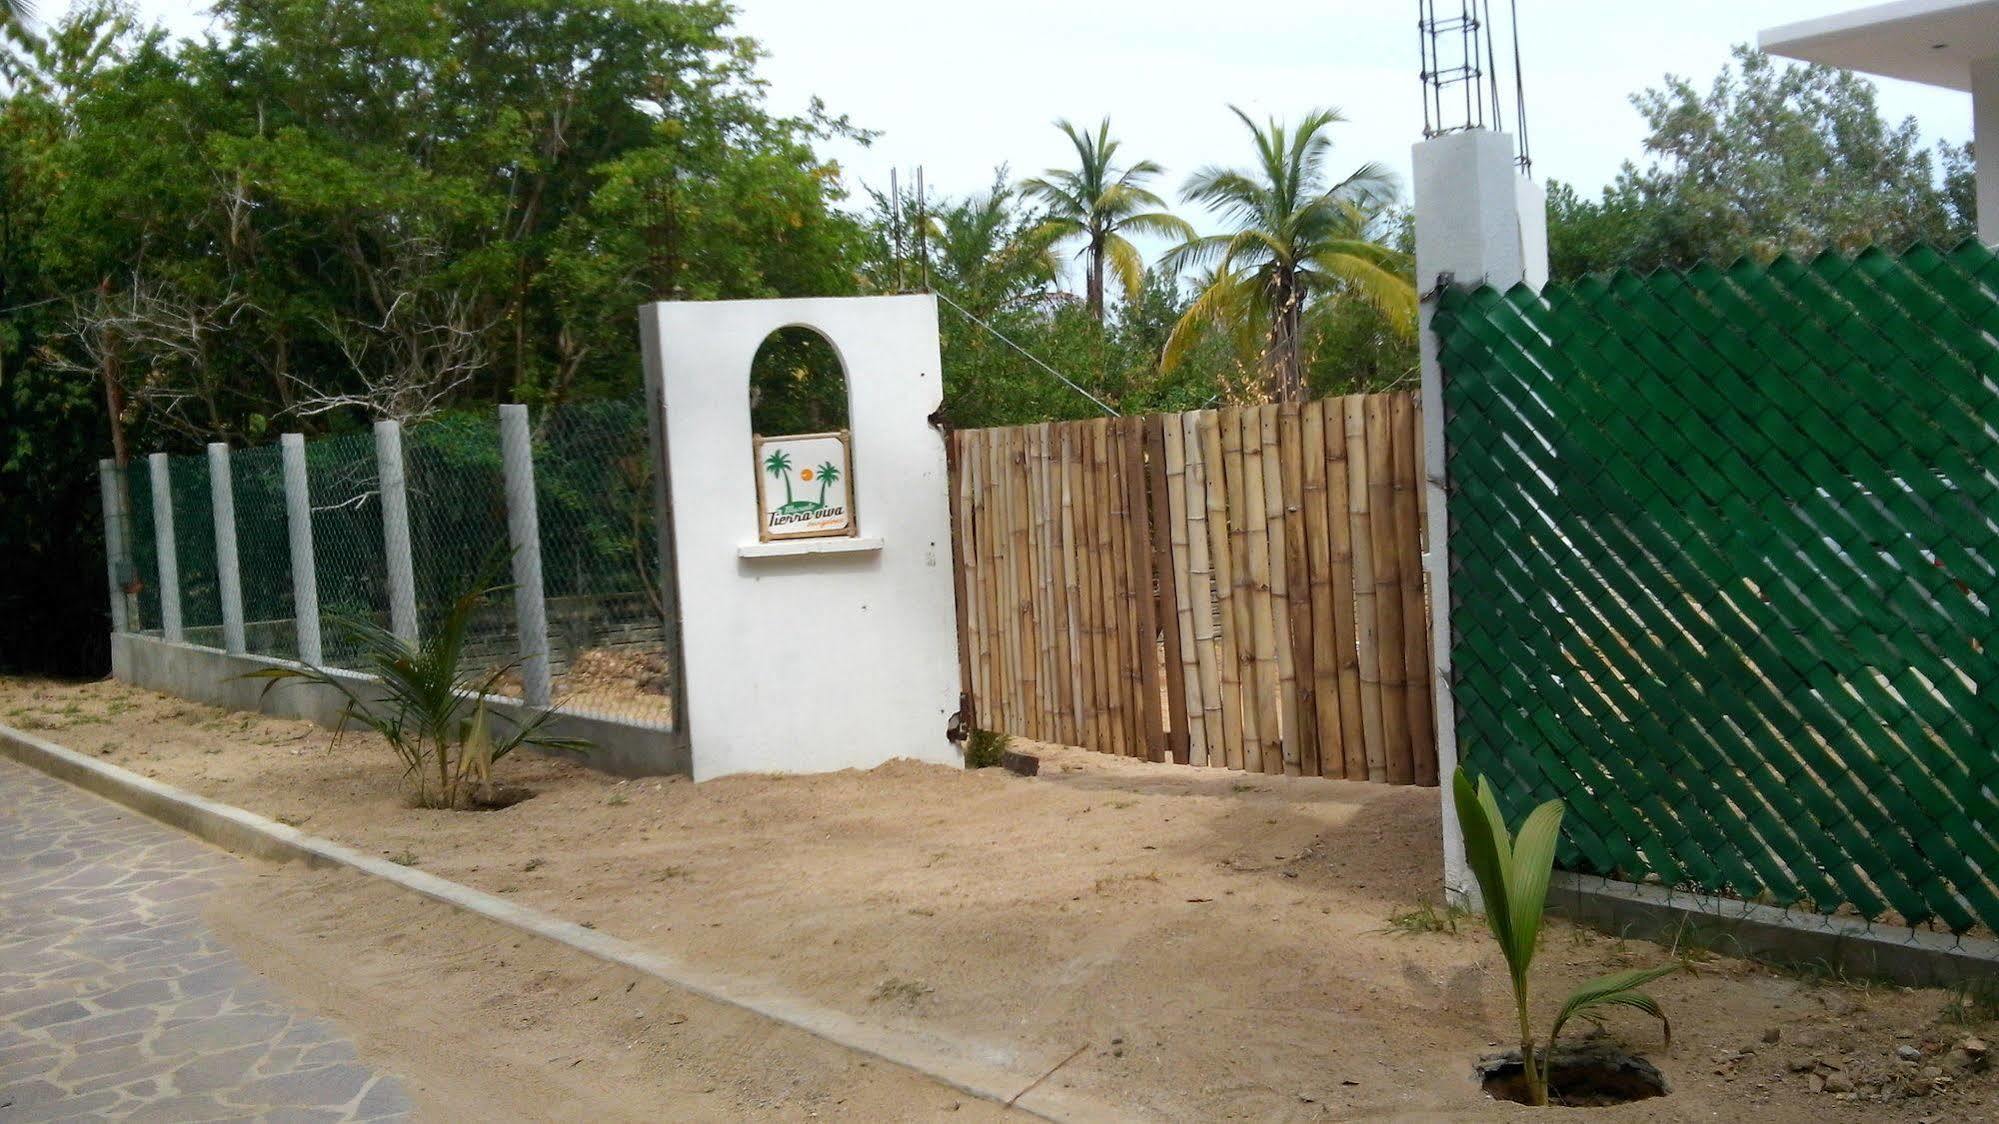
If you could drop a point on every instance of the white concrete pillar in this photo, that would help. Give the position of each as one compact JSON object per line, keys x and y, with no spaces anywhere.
{"x":1477,"y":220}
{"x":117,"y":556}
{"x":228,"y":568}
{"x":396,"y":530}
{"x":163,"y":540}
{"x":305,"y":572}
{"x":524,"y":533}
{"x":1985,"y":145}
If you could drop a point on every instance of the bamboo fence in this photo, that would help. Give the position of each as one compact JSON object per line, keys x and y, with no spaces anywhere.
{"x":1240,"y":588}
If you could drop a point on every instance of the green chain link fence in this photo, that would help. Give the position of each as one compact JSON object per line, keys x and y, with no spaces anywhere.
{"x":143,"y":545}
{"x":600,"y":559}
{"x":1722,"y":554}
{"x":608,"y":640}
{"x":263,"y":551}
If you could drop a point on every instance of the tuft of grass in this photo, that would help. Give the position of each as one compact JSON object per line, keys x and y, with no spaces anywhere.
{"x":404,"y":857}
{"x":984,"y":748}
{"x":1972,"y":1003}
{"x":617,"y":798}
{"x":900,"y":990}
{"x":1426,"y":918}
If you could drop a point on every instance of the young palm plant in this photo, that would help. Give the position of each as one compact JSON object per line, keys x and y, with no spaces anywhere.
{"x":431,"y":708}
{"x":1513,"y":873}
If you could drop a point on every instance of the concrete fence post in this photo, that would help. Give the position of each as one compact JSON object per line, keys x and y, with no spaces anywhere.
{"x":396,"y":530}
{"x":1477,"y":220}
{"x":228,"y":568}
{"x":524,"y":533}
{"x":163,"y":539}
{"x":117,"y":552}
{"x":305,"y":572}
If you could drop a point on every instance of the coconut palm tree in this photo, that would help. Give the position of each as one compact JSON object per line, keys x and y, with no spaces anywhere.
{"x":18,"y":55}
{"x":1298,"y":235}
{"x":1102,"y":203}
{"x":827,"y":473}
{"x":778,"y":464}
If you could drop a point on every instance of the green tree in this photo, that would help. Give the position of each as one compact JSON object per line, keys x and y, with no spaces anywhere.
{"x":1769,"y":159}
{"x":1299,"y":235}
{"x":1102,"y":203}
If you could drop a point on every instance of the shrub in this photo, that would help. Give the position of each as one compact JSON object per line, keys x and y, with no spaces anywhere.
{"x":432,"y":710}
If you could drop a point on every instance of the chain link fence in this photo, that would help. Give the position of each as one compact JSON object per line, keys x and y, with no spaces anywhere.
{"x":607,"y":641}
{"x":1723,"y":563}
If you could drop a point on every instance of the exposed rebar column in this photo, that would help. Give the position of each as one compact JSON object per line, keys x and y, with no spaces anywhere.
{"x":524,"y":532}
{"x":305,"y":575}
{"x":117,"y":556}
{"x":396,"y":530}
{"x":163,"y":539}
{"x":228,"y":571}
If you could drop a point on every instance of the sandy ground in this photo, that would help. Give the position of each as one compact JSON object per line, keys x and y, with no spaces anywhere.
{"x":483,"y":1023}
{"x":1217,"y":946}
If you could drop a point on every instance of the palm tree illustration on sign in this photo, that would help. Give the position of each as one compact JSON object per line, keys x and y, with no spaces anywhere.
{"x":778,"y":464}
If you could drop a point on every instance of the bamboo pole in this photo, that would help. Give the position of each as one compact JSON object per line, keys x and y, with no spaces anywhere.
{"x":1339,"y":552}
{"x":1242,"y":599}
{"x":1415,"y":621}
{"x":1183,"y":524}
{"x":1263,"y":622}
{"x":1277,"y":497}
{"x":1159,"y":517}
{"x":1304,"y":730}
{"x":1201,"y":596}
{"x":1071,"y":581}
{"x":1401,"y":760}
{"x":1111,"y":609}
{"x":1090,"y":583}
{"x":1221,"y":554}
{"x":973,"y":459}
{"x":1313,"y":464}
{"x":1040,"y":588}
{"x":961,"y":568}
{"x":1360,"y":464}
{"x":1135,"y":592}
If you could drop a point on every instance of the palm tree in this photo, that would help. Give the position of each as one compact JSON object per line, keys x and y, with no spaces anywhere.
{"x":778,"y":464}
{"x":1101,"y":203}
{"x":1297,"y":236}
{"x":827,"y":473}
{"x":18,"y":57}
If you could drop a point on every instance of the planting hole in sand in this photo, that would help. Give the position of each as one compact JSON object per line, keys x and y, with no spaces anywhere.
{"x":1579,"y":1077}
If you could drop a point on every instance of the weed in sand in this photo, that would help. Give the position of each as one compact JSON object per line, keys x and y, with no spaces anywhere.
{"x":532,"y":864}
{"x":900,"y":990}
{"x":404,"y":857}
{"x":1110,"y":881}
{"x":1972,"y":1003}
{"x":617,"y":799}
{"x":984,"y":749}
{"x":292,"y":819}
{"x":1426,"y":918}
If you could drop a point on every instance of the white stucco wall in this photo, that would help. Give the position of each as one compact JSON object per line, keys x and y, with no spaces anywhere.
{"x":822,"y":654}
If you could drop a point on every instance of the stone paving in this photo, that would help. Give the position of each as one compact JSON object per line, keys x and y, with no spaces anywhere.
{"x":116,"y":1001}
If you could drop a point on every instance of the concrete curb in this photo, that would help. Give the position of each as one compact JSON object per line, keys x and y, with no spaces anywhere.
{"x":1912,"y":957}
{"x":245,"y":833}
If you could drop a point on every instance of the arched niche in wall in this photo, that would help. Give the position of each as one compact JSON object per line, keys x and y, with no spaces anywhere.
{"x":801,"y":439}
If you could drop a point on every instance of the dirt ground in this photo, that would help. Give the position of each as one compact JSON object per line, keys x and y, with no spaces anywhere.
{"x":1216,"y":946}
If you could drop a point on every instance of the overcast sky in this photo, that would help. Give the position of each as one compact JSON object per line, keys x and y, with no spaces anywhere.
{"x":960,"y":86}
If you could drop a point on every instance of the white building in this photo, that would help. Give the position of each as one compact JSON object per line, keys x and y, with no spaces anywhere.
{"x":1948,"y":43}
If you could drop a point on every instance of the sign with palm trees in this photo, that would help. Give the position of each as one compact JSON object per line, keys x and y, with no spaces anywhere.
{"x":803,"y":486}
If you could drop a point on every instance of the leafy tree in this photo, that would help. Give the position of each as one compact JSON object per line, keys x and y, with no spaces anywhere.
{"x":1101,"y":203}
{"x":1770,"y":159}
{"x":1298,"y":235}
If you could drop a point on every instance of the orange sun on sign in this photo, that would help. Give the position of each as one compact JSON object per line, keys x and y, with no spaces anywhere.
{"x":805,"y":475}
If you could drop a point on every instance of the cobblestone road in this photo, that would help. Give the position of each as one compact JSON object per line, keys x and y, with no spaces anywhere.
{"x":117,"y":1001}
